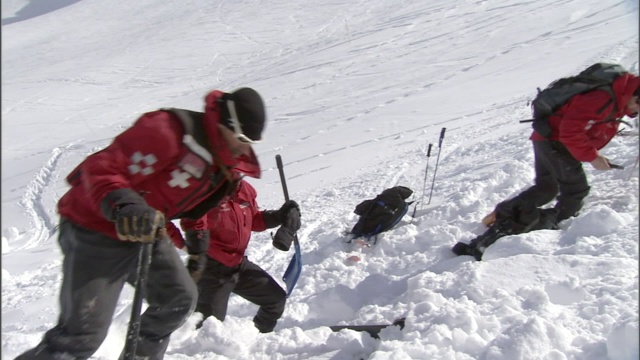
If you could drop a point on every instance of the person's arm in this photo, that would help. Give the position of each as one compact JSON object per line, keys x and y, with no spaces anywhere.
{"x":581,"y":113}
{"x":289,"y":214}
{"x":150,"y":144}
{"x":175,"y":235}
{"x":197,"y":237}
{"x":266,"y":219}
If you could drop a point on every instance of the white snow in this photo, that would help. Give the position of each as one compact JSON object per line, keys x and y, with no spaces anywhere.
{"x":355,"y":93}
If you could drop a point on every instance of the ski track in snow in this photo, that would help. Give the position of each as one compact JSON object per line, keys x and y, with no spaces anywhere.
{"x":32,"y":200}
{"x":442,"y":78}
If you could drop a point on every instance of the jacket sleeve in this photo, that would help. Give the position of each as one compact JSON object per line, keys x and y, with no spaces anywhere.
{"x":197,"y":235}
{"x":259,"y":222}
{"x":580,"y":114}
{"x":152,"y":143}
{"x":267,"y":219}
{"x":197,"y":224}
{"x":175,"y":235}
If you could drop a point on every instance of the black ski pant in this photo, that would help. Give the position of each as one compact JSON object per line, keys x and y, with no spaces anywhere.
{"x":247,"y":280}
{"x":557,"y":173}
{"x":95,"y":269}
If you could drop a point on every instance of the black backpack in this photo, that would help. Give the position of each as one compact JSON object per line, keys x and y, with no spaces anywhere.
{"x":382,"y":213}
{"x":599,"y":76}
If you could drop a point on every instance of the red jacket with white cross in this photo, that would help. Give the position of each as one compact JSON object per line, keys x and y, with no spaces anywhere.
{"x":156,"y":160}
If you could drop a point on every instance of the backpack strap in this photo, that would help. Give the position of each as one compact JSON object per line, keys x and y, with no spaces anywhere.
{"x":611,"y":116}
{"x":194,"y":129}
{"x":193,"y":124}
{"x":609,"y":91}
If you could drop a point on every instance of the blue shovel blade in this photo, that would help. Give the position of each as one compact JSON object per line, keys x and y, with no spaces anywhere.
{"x":294,"y":269}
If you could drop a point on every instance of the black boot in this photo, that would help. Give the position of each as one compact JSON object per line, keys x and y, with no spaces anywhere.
{"x":41,"y":352}
{"x":477,"y":246}
{"x":147,"y":349}
{"x":467,"y":249}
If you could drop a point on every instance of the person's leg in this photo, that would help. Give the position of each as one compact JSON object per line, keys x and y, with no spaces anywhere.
{"x":545,"y":186}
{"x":171,"y":295}
{"x":214,"y":288}
{"x":257,"y":286}
{"x":572,"y":182}
{"x":95,"y":268}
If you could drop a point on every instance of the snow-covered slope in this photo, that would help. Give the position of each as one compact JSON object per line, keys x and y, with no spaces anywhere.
{"x":355,"y":93}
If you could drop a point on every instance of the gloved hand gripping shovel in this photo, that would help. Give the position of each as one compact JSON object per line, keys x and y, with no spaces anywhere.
{"x":294,"y":269}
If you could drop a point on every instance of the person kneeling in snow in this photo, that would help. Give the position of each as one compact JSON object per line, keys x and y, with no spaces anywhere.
{"x":578,"y":130}
{"x":217,"y":262}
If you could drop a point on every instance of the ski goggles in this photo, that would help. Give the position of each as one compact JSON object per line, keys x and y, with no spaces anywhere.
{"x":237,"y":128}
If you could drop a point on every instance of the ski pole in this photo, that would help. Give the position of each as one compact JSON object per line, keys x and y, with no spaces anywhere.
{"x":437,"y":161}
{"x":633,"y":169}
{"x":144,"y":260}
{"x":424,"y":183}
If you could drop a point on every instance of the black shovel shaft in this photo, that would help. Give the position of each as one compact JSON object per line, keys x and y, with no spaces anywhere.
{"x":284,"y":187}
{"x":283,"y":181}
{"x":144,"y":260}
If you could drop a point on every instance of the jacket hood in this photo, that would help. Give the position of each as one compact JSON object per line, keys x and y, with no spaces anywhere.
{"x":246,"y":164}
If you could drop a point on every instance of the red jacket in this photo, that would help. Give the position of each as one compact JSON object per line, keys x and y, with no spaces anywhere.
{"x":156,"y":160}
{"x":579,"y":123}
{"x":230,"y":226}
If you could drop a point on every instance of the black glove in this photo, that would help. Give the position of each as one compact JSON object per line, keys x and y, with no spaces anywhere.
{"x":138,"y":222}
{"x":196,"y":265}
{"x":197,"y":242}
{"x":135,"y":220}
{"x":289,"y":214}
{"x":283,"y":238}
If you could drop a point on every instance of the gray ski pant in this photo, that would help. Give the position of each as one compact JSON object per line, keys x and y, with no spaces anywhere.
{"x":247,"y":280}
{"x":557,"y":173}
{"x":95,"y":269}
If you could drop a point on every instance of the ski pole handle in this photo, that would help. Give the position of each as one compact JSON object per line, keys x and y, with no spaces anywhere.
{"x":424,"y":183}
{"x":282,"y":179}
{"x":441,"y":137}
{"x":435,"y":171}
